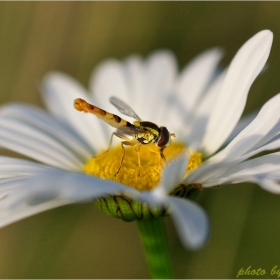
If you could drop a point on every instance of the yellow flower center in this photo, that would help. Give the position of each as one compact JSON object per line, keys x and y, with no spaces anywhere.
{"x":106,"y":164}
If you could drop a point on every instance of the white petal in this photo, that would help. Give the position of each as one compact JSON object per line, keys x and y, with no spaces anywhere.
{"x":9,"y":216}
{"x":110,"y":79}
{"x":52,"y":188}
{"x":272,"y":145}
{"x":182,"y":105}
{"x":267,"y":184}
{"x":198,"y":125}
{"x":191,"y":222}
{"x":197,"y":75}
{"x":12,"y":187}
{"x":55,"y":128}
{"x":135,"y":68}
{"x":244,"y":68}
{"x":75,"y":186}
{"x":266,"y":164}
{"x":152,"y":198}
{"x":37,"y":144}
{"x":265,"y":121}
{"x":11,"y":184}
{"x":59,"y":93}
{"x":270,"y":136}
{"x":245,"y":121}
{"x":140,"y":84}
{"x":189,"y":218}
{"x":265,"y":181}
{"x":207,"y":171}
{"x":172,"y":175}
{"x":13,"y":167}
{"x":160,"y":72}
{"x":266,"y":167}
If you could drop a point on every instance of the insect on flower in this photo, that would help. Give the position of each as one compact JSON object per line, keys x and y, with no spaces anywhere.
{"x":142,"y":132}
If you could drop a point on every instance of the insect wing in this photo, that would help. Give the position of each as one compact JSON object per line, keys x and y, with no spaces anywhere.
{"x":129,"y":130}
{"x":124,"y":108}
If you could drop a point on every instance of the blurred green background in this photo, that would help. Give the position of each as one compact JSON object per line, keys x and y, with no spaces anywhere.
{"x":79,"y":241}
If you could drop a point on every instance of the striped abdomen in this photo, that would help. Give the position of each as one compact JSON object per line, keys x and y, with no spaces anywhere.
{"x":112,"y":119}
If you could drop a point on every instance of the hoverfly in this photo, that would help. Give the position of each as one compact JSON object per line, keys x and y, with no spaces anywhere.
{"x":142,"y":132}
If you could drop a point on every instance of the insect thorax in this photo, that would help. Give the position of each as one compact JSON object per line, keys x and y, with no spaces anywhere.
{"x":151,"y":133}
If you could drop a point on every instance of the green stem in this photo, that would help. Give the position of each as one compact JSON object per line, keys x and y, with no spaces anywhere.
{"x":154,"y":240}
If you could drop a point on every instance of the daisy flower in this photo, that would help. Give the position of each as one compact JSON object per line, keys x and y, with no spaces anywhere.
{"x":202,"y":105}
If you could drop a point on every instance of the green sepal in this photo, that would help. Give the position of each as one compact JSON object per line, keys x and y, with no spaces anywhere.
{"x":129,"y":210}
{"x":124,"y":208}
{"x":188,"y":191}
{"x":146,"y":214}
{"x":137,"y":208}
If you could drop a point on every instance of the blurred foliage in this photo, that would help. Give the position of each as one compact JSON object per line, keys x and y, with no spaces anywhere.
{"x":79,"y":241}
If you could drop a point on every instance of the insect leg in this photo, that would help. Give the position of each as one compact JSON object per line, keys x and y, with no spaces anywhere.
{"x":128,"y":143}
{"x":138,"y":147}
{"x":111,"y":140}
{"x":161,"y":153}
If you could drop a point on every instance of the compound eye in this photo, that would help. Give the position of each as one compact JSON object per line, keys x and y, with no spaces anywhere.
{"x":164,"y":137}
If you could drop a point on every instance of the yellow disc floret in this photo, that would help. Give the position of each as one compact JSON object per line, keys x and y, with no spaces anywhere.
{"x":105,"y":165}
